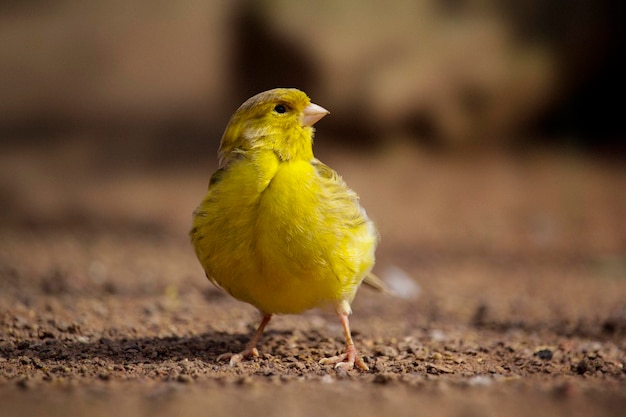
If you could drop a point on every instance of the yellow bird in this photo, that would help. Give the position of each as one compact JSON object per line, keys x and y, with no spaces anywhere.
{"x":279,"y":229}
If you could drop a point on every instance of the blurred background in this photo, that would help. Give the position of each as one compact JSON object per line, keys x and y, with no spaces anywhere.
{"x":470,"y":128}
{"x":451,"y":73}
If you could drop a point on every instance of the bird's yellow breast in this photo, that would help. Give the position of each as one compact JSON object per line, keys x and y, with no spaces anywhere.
{"x":282,"y":236}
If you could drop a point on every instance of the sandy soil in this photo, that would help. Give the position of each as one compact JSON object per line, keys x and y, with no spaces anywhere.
{"x":520,"y":305}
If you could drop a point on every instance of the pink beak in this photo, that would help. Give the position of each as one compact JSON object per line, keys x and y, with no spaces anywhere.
{"x":312,"y":114}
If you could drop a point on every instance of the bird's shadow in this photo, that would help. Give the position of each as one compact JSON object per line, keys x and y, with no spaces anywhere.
{"x":206,"y":347}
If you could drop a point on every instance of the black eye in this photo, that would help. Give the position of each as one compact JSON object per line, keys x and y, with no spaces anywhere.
{"x":280,"y":108}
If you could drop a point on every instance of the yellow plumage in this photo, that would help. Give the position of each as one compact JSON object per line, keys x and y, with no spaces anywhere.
{"x":279,"y":229}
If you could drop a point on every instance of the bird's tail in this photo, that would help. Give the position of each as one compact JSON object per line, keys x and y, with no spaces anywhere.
{"x":376,"y":283}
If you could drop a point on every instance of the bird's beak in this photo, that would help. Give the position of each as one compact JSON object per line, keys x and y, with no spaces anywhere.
{"x":312,"y":114}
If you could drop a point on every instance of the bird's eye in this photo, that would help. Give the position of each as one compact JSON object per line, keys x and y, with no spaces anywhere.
{"x":280,"y":109}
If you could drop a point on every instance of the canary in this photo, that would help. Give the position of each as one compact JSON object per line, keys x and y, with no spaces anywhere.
{"x":278,"y":229}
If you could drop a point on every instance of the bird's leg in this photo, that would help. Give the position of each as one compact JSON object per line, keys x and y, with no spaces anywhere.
{"x":250,"y":351}
{"x":347,"y":360}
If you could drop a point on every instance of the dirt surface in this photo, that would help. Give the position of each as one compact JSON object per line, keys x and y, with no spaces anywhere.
{"x":519,"y":306}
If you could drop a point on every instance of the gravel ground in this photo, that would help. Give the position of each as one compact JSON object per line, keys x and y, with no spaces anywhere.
{"x":517,"y":267}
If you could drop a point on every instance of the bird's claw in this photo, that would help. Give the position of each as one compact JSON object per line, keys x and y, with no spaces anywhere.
{"x":346,"y":361}
{"x":235,"y":358}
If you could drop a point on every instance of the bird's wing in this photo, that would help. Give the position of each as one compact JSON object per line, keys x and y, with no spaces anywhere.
{"x":343,"y":202}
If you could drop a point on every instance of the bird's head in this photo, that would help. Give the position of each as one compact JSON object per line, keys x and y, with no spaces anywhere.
{"x":281,"y":120}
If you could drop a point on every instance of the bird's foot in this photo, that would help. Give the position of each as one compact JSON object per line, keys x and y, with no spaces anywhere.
{"x":347,"y":360}
{"x":234,"y":358}
{"x":250,"y":351}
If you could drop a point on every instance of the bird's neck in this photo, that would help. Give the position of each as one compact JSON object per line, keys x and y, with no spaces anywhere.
{"x":297,"y":146}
